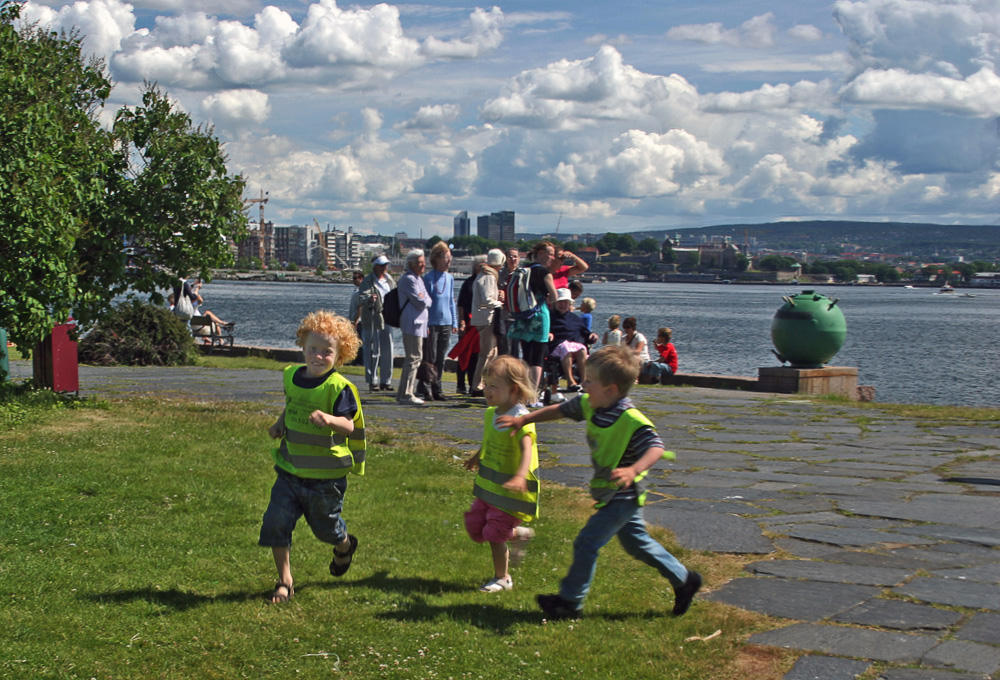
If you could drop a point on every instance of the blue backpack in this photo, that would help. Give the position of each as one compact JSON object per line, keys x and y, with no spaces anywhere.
{"x":519,"y":299}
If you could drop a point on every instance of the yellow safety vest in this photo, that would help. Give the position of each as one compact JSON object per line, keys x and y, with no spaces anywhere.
{"x":314,"y":452}
{"x":607,"y":446}
{"x":498,"y":461}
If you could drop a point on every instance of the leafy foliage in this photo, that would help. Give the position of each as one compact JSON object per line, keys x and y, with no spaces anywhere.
{"x":87,"y":214}
{"x":137,"y":333}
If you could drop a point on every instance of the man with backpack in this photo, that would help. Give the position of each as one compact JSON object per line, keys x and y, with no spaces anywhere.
{"x":376,"y":337}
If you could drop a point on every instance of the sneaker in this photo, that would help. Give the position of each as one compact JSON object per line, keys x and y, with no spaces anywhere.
{"x":410,"y":401}
{"x":373,"y":387}
{"x":685,"y":594}
{"x":476,"y":393}
{"x":495,"y":585}
{"x":385,"y":387}
{"x":556,"y":607}
{"x":522,"y":536}
{"x":573,"y":388}
{"x":537,"y":404}
{"x":461,"y":389}
{"x":557,"y":398}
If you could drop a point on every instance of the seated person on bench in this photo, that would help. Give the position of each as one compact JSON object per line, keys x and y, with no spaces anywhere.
{"x":569,"y":338}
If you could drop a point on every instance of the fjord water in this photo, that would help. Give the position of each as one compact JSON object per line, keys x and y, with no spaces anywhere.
{"x":912,"y":345}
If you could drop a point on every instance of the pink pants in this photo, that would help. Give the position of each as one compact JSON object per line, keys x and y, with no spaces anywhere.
{"x":484,"y":523}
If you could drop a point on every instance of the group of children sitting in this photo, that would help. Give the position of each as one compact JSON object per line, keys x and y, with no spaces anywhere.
{"x":321,"y":438}
{"x":571,"y":337}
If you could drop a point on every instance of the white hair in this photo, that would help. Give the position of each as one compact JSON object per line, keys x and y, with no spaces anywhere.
{"x":413,"y":256}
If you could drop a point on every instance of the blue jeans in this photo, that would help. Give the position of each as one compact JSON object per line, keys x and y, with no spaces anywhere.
{"x":320,"y":500}
{"x":624,"y":519}
{"x":657,"y":370}
{"x":378,"y":355}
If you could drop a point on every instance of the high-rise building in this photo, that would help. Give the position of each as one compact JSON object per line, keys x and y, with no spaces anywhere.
{"x":297,"y":244}
{"x":341,"y":249}
{"x":463,"y":225}
{"x":498,"y":226}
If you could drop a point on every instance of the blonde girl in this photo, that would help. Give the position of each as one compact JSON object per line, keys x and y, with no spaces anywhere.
{"x":613,"y":336}
{"x":506,"y":487}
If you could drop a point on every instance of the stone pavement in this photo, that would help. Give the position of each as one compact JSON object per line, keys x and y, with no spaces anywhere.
{"x":879,"y":535}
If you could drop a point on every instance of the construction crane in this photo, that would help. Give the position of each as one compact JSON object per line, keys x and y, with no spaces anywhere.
{"x":558,"y":222}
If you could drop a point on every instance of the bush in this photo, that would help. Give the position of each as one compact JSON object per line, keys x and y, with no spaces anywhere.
{"x":138,"y":333}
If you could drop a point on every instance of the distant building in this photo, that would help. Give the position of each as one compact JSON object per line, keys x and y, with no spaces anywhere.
{"x":341,"y":249}
{"x":463,"y":225}
{"x":298,"y":244}
{"x":259,"y":243}
{"x":498,"y":226}
{"x":985,"y":280}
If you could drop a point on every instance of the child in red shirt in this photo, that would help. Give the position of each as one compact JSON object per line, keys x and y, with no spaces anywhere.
{"x":666,"y":364}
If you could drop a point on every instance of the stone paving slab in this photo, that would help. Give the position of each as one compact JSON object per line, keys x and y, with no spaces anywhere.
{"x":947,"y":532}
{"x":952,"y":592}
{"x":925,"y":674}
{"x":967,"y":511}
{"x":965,"y":656}
{"x":830,"y":572}
{"x":717,"y":532}
{"x":877,"y":645}
{"x":937,"y":557}
{"x":899,"y":615}
{"x":717,"y":494}
{"x":860,"y":538}
{"x":811,"y":667}
{"x":983,"y":627}
{"x":804,"y":549}
{"x":799,"y":600}
{"x":984,"y":574}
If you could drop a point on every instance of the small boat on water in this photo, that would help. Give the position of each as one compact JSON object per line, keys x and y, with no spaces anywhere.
{"x":910,"y":287}
{"x":946,"y":289}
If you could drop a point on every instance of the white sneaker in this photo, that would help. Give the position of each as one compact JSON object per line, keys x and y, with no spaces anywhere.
{"x":411,"y":401}
{"x":522,"y":536}
{"x":495,"y":585}
{"x":537,"y":404}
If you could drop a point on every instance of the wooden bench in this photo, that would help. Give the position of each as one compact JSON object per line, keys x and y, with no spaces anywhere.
{"x":212,"y":334}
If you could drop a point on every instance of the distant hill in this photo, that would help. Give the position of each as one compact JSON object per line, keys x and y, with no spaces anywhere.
{"x":923,"y":241}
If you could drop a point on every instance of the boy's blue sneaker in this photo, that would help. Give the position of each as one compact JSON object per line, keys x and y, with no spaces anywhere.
{"x":685,"y":594}
{"x":556,"y":607}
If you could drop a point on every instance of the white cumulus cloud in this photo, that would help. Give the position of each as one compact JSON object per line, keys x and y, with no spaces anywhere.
{"x":756,"y":32}
{"x":233,"y":109}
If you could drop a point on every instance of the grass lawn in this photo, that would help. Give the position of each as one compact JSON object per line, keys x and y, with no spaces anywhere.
{"x":129,"y":551}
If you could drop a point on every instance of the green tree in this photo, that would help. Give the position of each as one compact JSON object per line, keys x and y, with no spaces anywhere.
{"x":431,"y":242}
{"x":88,"y":214}
{"x":668,"y":255}
{"x":648,"y":245}
{"x":742,"y":262}
{"x":773,"y":263}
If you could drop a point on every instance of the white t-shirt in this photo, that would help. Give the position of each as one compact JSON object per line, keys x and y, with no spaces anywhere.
{"x":517,"y":410}
{"x":640,"y":339}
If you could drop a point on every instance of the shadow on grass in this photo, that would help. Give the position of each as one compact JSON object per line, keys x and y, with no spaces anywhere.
{"x":494,"y":617}
{"x":407,"y":585}
{"x":177,"y":600}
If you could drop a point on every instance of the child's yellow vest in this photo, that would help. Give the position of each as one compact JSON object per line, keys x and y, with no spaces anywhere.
{"x":498,"y":462}
{"x":607,"y":446}
{"x":313,"y":452}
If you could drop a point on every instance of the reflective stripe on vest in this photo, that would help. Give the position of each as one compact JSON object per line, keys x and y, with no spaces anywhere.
{"x":607,"y":446}
{"x":499,"y":459}
{"x":313,"y":452}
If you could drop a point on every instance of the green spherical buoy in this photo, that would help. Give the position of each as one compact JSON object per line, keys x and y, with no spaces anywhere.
{"x":808,"y":330}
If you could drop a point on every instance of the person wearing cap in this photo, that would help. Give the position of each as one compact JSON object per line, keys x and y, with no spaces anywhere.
{"x":569,"y":338}
{"x":485,"y":303}
{"x":375,"y":335}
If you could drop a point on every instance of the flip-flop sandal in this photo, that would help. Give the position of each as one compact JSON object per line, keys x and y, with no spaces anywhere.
{"x":341,"y":569}
{"x":279,"y":599}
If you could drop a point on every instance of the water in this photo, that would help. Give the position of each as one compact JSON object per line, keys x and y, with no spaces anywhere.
{"x":912,"y":345}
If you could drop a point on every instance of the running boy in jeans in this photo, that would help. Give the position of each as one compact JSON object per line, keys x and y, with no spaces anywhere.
{"x":322,"y":439}
{"x":623,"y":446}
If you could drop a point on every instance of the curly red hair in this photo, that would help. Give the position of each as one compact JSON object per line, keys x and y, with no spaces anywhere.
{"x":335,"y":326}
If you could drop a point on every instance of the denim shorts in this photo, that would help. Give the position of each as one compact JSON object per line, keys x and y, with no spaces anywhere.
{"x":320,"y":500}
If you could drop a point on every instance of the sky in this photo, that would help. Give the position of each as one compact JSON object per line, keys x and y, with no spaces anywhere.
{"x":581,"y":116}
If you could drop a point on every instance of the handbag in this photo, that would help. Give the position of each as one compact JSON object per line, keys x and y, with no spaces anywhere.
{"x":183,"y":308}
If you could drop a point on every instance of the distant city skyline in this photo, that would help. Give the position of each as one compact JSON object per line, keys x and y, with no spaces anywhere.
{"x":618,"y":117}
